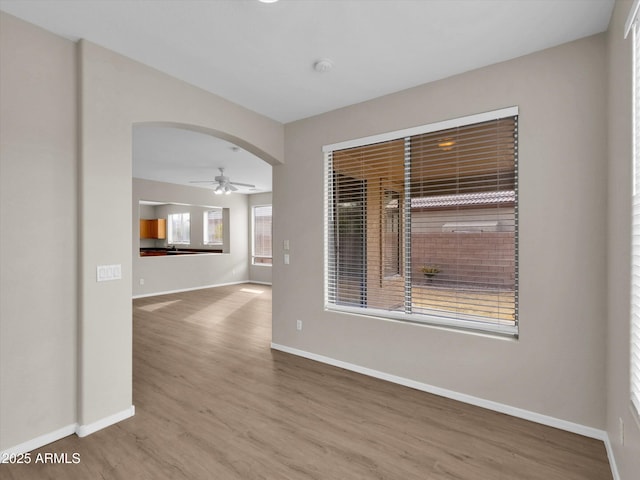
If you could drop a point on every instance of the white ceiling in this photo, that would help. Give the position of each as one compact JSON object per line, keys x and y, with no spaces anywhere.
{"x":261,"y":55}
{"x":181,"y":156}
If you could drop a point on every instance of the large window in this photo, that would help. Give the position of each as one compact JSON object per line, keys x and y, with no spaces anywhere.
{"x":262,"y":231}
{"x":179,"y":228}
{"x":421,"y":225}
{"x":632,"y":24}
{"x":213,"y":227}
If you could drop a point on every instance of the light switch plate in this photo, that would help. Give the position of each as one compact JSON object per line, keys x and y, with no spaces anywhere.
{"x":105,"y":273}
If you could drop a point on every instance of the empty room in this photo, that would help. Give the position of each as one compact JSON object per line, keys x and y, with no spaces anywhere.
{"x":323,"y":239}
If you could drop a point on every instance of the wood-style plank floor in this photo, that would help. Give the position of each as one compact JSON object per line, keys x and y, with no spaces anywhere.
{"x":214,"y":402}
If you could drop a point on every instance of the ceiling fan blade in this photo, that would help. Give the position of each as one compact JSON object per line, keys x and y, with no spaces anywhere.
{"x":224,"y":183}
{"x":243,"y":184}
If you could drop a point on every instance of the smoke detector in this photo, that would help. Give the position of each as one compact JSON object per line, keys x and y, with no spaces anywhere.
{"x":323,"y":65}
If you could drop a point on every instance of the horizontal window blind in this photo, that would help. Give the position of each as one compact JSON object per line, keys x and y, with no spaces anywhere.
{"x":262,"y":232}
{"x":365,"y":237}
{"x":213,"y":227}
{"x":424,"y":227}
{"x":635,"y":241}
{"x":471,"y":244}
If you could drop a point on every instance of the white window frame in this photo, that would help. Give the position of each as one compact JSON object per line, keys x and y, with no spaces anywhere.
{"x":205,"y":227}
{"x":442,"y":318}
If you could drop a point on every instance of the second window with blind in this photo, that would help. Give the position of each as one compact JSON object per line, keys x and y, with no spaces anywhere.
{"x":262,"y":235}
{"x":422,"y":224}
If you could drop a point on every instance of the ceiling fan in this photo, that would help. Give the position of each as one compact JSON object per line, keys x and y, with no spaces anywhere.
{"x":225,"y":185}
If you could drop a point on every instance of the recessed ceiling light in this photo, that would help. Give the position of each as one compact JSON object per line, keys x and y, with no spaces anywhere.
{"x":268,"y":1}
{"x":447,"y":144}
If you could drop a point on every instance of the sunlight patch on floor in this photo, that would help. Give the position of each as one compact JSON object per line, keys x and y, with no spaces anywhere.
{"x":251,"y":290}
{"x":157,"y":306}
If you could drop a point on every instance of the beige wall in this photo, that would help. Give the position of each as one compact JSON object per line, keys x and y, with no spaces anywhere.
{"x":38,"y":233}
{"x":116,"y":94}
{"x":47,"y":382}
{"x":165,"y":274}
{"x":619,"y":249}
{"x":557,"y":367}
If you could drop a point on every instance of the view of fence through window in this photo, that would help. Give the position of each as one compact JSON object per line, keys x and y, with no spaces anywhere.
{"x":262,"y":232}
{"x":212,"y":228}
{"x":426,"y":225}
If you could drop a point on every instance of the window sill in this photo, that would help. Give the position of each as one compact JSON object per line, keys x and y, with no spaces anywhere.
{"x":498,"y":328}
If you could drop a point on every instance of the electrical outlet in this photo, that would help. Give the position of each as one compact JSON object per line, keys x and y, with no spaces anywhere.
{"x":299,"y":325}
{"x":142,"y":281}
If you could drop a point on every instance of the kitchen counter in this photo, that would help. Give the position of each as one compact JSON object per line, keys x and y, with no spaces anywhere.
{"x":161,"y":252}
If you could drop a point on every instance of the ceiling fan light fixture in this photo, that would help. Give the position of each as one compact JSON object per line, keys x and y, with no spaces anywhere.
{"x":223,"y":184}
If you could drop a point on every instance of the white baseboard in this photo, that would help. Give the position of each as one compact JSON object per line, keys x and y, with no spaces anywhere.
{"x":80,"y":430}
{"x":40,"y":441}
{"x":462,"y":397}
{"x":260,"y":283}
{"x":84,"y":430}
{"x":191,"y":289}
{"x":470,"y":399}
{"x":612,"y":459}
